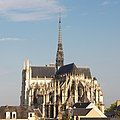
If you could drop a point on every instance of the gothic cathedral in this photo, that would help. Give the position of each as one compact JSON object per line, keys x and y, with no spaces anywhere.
{"x":57,"y":87}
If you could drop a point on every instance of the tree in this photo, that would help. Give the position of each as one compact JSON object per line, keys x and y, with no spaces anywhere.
{"x":113,"y":111}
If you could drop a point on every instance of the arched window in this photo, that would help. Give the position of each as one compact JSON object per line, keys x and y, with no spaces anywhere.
{"x":80,"y":91}
{"x":73,"y":87}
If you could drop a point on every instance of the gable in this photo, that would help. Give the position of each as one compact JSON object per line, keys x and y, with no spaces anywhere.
{"x":95,"y":112}
{"x":71,"y":68}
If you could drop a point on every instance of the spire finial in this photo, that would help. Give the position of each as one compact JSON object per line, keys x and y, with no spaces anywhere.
{"x":60,"y":34}
{"x":59,"y":17}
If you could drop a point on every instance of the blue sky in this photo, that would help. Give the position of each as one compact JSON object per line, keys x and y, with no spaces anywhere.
{"x":91,"y":38}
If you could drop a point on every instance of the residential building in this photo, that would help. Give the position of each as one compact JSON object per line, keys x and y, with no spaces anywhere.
{"x":18,"y":113}
{"x":86,"y":111}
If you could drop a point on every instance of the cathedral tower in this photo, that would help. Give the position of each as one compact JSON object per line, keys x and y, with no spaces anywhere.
{"x":59,"y":55}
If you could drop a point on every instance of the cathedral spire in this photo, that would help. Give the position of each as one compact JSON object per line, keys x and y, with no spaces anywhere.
{"x":59,"y":55}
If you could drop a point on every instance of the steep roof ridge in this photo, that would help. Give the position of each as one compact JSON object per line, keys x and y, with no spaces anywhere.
{"x":85,"y":71}
{"x":69,"y":68}
{"x":75,"y":69}
{"x":72,"y":68}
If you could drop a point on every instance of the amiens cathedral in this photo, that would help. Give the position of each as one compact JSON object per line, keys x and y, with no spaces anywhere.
{"x":57,"y":87}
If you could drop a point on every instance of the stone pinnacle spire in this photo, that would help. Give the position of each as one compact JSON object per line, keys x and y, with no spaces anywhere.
{"x":59,"y":55}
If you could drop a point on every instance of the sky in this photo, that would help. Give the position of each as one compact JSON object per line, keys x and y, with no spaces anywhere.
{"x":90,"y":34}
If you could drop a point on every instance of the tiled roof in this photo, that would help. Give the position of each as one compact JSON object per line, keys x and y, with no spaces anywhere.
{"x":49,"y":72}
{"x":71,"y":68}
{"x":81,"y":111}
{"x":81,"y":105}
{"x":85,"y":71}
{"x":42,"y":72}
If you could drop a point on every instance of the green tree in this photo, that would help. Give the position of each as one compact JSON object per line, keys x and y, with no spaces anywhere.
{"x":113,"y":109}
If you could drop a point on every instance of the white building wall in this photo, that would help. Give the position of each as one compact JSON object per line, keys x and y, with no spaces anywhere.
{"x":14,"y":115}
{"x":7,"y":115}
{"x":31,"y":116}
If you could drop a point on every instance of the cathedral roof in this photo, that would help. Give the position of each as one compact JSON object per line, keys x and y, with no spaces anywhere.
{"x":42,"y":72}
{"x":48,"y":71}
{"x":85,"y":71}
{"x":71,"y":68}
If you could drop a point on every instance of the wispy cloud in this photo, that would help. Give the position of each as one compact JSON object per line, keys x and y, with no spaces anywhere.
{"x":10,"y":39}
{"x":106,"y":5}
{"x":110,"y":2}
{"x":29,"y":10}
{"x":106,"y":2}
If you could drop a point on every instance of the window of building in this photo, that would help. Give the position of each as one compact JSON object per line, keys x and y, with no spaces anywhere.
{"x":7,"y":115}
{"x":13,"y":115}
{"x":30,"y":114}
